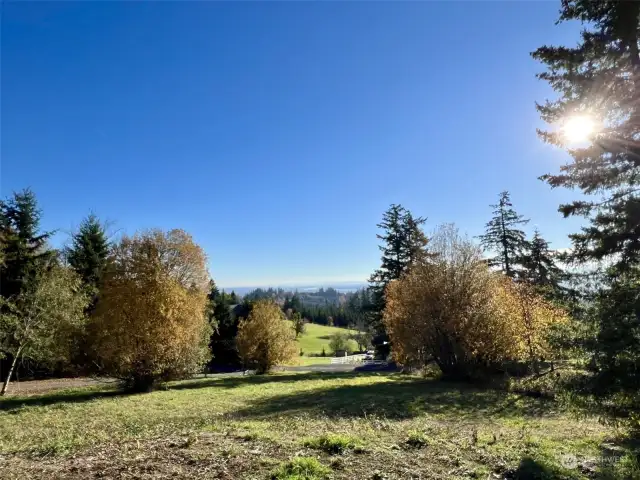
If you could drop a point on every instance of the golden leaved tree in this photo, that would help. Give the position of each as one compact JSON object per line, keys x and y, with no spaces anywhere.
{"x":265,"y":338}
{"x":150,"y":322}
{"x":452,"y":309}
{"x":533,"y":316}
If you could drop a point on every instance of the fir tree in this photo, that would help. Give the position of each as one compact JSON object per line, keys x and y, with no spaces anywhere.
{"x":599,"y":79}
{"x":540,"y":268}
{"x":24,"y":246}
{"x":403,"y":244}
{"x":224,"y":323}
{"x":233,"y":298}
{"x":88,"y":252}
{"x":415,"y":238}
{"x":598,"y":83}
{"x":294,"y":303}
{"x":503,"y":236}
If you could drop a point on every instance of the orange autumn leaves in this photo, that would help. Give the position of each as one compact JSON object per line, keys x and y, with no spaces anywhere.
{"x":454,"y":310}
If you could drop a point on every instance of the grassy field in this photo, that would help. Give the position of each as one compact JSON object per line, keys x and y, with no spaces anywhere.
{"x":315,"y":338}
{"x":296,"y":427}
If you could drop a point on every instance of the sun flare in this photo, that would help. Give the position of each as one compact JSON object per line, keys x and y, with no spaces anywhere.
{"x":578,"y":129}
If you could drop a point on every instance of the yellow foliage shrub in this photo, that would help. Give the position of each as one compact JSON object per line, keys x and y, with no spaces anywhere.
{"x":150,"y":320}
{"x":452,"y":309}
{"x":264,"y":338}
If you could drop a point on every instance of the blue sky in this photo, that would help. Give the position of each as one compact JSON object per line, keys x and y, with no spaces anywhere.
{"x":278,"y":133}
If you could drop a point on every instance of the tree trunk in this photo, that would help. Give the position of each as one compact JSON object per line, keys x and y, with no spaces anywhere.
{"x":5,"y":385}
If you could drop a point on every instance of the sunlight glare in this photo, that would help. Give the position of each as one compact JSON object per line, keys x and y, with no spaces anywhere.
{"x":578,"y":129}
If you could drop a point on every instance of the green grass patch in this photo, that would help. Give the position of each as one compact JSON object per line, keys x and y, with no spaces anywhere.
{"x":316,"y":337}
{"x":304,"y":360}
{"x":301,"y":468}
{"x":251,"y":425}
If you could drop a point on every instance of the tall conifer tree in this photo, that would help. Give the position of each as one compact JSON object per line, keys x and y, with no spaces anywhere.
{"x":503,"y":236}
{"x":540,"y":267}
{"x":597,"y":83}
{"x":88,"y":252}
{"x":403,"y":244}
{"x":23,"y":244}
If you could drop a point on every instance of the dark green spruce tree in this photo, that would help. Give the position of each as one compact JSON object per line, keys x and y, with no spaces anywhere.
{"x":403,"y":244}
{"x":88,"y":252}
{"x":503,"y":236}
{"x":539,"y":267}
{"x":294,"y":303}
{"x":597,"y":83}
{"x":233,"y":298}
{"x":87,"y":255}
{"x":224,"y":320}
{"x":24,"y":246}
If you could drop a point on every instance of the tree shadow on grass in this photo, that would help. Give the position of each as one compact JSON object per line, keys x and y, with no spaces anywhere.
{"x":11,"y":404}
{"x":86,"y":394}
{"x":400,"y":397}
{"x":247,"y":380}
{"x":532,"y":469}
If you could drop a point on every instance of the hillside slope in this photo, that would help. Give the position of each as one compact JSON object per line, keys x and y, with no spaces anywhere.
{"x":317,"y":337}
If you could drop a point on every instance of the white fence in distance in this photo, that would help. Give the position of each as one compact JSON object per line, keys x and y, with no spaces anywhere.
{"x":348,"y":359}
{"x":358,"y":358}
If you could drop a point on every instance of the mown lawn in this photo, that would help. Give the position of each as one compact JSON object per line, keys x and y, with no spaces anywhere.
{"x":333,"y":426}
{"x":317,"y":337}
{"x":304,"y":360}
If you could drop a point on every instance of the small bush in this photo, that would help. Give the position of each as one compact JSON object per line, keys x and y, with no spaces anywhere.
{"x":339,"y":343}
{"x":417,"y":439}
{"x":333,"y":443}
{"x":301,"y":468}
{"x":264,"y":338}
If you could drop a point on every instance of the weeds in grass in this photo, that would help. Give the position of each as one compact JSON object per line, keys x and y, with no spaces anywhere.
{"x":301,"y":468}
{"x":334,"y":444}
{"x":417,"y":439}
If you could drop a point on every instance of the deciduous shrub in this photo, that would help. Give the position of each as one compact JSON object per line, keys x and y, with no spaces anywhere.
{"x":452,"y":309}
{"x":299,"y":326}
{"x":150,"y":322}
{"x":339,"y":343}
{"x":265,"y":338}
{"x":42,"y":322}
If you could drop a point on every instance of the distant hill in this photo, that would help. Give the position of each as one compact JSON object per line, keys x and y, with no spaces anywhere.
{"x":340,"y":287}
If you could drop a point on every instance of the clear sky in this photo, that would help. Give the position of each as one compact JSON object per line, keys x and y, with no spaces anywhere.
{"x":278,"y":133}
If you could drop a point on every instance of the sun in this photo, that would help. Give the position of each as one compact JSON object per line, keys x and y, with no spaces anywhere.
{"x":578,"y":129}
